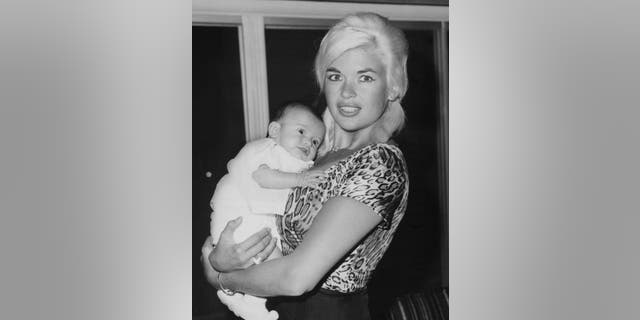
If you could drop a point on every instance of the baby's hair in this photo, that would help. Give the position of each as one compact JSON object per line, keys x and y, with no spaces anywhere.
{"x":289,"y":105}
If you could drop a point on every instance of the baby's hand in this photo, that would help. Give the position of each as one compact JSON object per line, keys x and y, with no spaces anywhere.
{"x":310,"y":178}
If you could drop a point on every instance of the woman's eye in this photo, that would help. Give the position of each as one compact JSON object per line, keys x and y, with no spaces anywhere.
{"x":315,"y":143}
{"x":334,"y":77}
{"x":366,"y":78}
{"x":300,"y":131}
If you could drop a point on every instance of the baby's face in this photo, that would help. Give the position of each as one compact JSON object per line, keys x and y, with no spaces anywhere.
{"x":301,"y":133}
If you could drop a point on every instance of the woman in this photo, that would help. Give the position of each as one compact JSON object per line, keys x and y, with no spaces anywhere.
{"x":334,"y":235}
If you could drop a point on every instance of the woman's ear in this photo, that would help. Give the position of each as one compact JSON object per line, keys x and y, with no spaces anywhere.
{"x":274,"y":129}
{"x":392,"y":94}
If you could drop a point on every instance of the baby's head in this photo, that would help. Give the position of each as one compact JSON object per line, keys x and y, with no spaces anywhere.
{"x":298,"y":130}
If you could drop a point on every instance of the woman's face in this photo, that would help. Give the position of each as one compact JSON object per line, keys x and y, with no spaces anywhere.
{"x":355,"y":87}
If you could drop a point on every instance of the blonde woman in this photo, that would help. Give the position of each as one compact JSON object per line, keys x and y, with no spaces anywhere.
{"x":334,"y":234}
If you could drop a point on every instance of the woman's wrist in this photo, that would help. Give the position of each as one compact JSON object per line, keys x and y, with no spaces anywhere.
{"x":222,"y":287}
{"x":220,"y":264}
{"x":210,"y":273}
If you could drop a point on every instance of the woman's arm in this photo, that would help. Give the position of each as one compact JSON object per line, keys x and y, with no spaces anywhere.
{"x":339,"y":226}
{"x":209,"y":273}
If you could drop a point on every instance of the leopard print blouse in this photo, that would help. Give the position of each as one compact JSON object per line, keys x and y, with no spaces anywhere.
{"x":375,"y":175}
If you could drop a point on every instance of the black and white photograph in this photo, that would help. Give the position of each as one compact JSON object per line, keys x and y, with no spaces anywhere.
{"x":324,"y":123}
{"x":319,"y":160}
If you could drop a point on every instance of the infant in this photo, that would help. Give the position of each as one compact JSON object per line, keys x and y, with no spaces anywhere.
{"x":257,"y":185}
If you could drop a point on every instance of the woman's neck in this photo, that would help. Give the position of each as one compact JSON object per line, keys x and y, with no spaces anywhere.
{"x":355,"y":140}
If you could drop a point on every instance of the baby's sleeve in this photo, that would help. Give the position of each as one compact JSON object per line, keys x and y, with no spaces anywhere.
{"x":378,"y":180}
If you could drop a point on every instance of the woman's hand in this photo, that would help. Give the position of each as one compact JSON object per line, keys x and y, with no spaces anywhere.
{"x":227,"y":255}
{"x":210,"y":273}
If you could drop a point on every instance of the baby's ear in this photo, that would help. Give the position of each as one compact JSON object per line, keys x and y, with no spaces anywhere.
{"x":274,"y":129}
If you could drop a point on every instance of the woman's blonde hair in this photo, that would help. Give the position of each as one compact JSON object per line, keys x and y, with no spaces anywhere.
{"x":371,"y":31}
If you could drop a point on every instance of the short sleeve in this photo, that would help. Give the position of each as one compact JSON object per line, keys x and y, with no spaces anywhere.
{"x":378,"y":179}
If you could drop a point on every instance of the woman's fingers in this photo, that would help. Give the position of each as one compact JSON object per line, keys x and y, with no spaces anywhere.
{"x":228,"y":256}
{"x":225,"y":256}
{"x":227,"y":233}
{"x":264,"y":254}
{"x":255,"y":243}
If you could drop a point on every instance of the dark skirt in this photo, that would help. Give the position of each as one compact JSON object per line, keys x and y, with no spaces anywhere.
{"x":322,"y":304}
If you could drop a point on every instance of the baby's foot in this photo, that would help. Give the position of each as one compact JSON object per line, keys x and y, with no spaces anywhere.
{"x":263,"y":314}
{"x":247,"y":307}
{"x":254,"y":308}
{"x":273,"y":315}
{"x":232,"y":302}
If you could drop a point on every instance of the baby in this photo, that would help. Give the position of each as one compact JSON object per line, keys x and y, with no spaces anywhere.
{"x":258,"y":184}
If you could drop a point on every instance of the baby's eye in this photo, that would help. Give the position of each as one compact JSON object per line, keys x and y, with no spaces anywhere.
{"x":366,"y":78}
{"x":315,"y":143}
{"x":334,"y":77}
{"x":300,"y":131}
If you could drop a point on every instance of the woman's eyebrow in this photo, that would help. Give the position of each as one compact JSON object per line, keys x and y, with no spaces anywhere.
{"x":332,"y":69}
{"x":367,"y":70}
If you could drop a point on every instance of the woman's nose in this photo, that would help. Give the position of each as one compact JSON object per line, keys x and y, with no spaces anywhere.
{"x":347,"y":90}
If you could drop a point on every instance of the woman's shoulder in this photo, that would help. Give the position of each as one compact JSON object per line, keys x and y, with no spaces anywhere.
{"x":380,"y":156}
{"x":381,"y":151}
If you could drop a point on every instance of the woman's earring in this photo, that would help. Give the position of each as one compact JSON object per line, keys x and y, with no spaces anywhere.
{"x":391,"y":96}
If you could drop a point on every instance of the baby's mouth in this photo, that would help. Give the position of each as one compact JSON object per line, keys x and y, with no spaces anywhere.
{"x":304,"y":150}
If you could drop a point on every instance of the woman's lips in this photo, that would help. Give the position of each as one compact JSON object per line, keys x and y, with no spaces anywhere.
{"x":348,"y":110}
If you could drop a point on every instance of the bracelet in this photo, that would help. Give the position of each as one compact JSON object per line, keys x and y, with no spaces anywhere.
{"x":226,"y":291}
